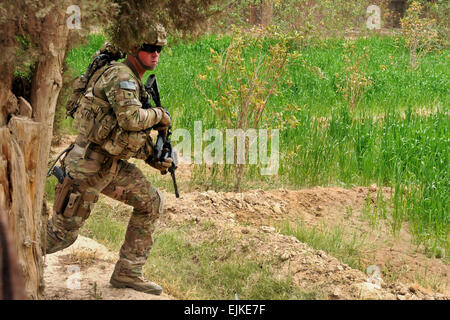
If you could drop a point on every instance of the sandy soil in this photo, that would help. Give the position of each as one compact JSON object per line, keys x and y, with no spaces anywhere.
{"x":82,"y":272}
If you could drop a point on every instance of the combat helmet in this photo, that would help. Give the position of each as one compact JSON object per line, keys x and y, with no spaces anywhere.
{"x":154,"y":35}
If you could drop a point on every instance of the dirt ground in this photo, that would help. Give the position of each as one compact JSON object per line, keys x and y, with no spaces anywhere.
{"x":252,"y":217}
{"x":82,"y":272}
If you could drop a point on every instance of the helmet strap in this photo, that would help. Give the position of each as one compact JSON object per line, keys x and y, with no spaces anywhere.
{"x":136,"y":55}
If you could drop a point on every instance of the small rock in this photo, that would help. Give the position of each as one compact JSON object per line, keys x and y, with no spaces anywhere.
{"x":318,"y":214}
{"x":389,"y":296}
{"x":230,"y":214}
{"x":245,"y":231}
{"x":414,"y":288}
{"x":401,"y":297}
{"x":336,"y":293}
{"x":276,"y":208}
{"x":320,"y":253}
{"x":439,"y":296}
{"x":367,"y":290}
{"x":402,"y":291}
{"x":285,"y":256}
{"x":267,"y":229}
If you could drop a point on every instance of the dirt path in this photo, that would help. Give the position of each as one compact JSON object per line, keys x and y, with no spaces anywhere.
{"x":82,"y":272}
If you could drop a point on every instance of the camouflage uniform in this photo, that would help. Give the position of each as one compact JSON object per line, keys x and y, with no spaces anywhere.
{"x":98,"y":164}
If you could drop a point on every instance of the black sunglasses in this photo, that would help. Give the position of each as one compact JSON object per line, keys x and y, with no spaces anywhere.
{"x":151,"y":48}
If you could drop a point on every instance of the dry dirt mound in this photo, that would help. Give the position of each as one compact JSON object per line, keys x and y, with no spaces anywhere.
{"x":249,"y":217}
{"x":82,"y":272}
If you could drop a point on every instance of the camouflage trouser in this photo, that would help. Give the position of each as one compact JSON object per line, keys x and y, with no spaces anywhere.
{"x":123,"y":182}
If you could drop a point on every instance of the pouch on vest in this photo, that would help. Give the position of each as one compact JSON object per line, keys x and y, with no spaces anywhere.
{"x":103,"y":125}
{"x":117,"y":142}
{"x":84,"y":120}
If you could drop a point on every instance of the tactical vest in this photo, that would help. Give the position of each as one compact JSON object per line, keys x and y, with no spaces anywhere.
{"x":96,"y":121}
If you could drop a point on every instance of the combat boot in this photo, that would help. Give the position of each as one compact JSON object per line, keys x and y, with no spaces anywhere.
{"x":125,"y":278}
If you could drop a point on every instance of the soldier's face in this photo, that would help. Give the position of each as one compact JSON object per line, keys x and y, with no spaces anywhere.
{"x":150,"y":59}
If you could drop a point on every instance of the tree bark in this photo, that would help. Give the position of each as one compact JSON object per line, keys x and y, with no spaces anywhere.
{"x":267,"y":13}
{"x":17,"y":180}
{"x":46,"y":85}
{"x":25,"y":146}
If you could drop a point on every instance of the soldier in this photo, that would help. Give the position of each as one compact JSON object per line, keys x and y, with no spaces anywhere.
{"x":114,"y":127}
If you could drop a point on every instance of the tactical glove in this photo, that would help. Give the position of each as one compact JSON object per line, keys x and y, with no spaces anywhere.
{"x":160,"y":165}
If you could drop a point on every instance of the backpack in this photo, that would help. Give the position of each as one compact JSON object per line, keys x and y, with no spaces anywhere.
{"x":107,"y":54}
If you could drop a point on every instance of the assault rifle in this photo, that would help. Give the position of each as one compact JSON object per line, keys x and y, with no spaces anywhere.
{"x":163,"y":146}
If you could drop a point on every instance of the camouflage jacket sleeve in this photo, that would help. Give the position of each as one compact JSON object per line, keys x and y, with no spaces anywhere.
{"x":122,"y":89}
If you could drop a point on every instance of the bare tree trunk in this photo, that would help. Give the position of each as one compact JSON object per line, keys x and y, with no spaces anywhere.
{"x":46,"y":86}
{"x":267,"y":13}
{"x":239,"y":172}
{"x":24,"y":149}
{"x":413,"y":56}
{"x":252,"y":19}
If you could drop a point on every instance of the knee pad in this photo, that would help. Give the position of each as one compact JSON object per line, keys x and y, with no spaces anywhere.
{"x":62,"y":232}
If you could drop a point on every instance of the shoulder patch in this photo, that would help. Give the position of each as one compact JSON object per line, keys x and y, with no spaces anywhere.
{"x":128,"y":85}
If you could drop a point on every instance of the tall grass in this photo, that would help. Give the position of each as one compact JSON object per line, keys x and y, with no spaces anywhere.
{"x":409,"y":153}
{"x":397,"y":137}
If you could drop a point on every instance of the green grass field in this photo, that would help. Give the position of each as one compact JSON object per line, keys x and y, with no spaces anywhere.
{"x":398,"y":137}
